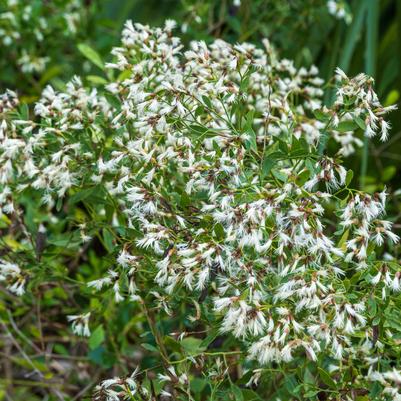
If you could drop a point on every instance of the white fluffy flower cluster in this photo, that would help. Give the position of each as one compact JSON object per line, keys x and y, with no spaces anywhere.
{"x":22,"y":21}
{"x":209,"y":157}
{"x":11,"y":275}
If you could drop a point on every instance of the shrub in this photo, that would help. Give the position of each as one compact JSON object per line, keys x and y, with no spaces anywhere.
{"x":195,"y":229}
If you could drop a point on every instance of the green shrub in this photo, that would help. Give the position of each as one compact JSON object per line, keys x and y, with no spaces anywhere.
{"x":185,"y":220}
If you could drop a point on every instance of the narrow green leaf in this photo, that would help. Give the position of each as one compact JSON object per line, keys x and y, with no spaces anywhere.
{"x":207,"y":340}
{"x":108,"y":240}
{"x":353,"y":35}
{"x":207,"y":101}
{"x":150,"y":347}
{"x":91,"y":55}
{"x":251,"y":141}
{"x":326,"y":378}
{"x":349,"y":176}
{"x":372,"y":29}
{"x":95,"y":79}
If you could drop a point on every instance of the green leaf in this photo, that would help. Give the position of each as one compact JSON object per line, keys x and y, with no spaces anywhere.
{"x":96,"y":338}
{"x":39,"y":365}
{"x":95,"y":79}
{"x":361,"y":124}
{"x":291,"y":384}
{"x":238,"y":396}
{"x":349,"y":176}
{"x":309,"y":378}
{"x":200,"y":110}
{"x":198,"y":129}
{"x":124,"y":75}
{"x":249,"y":120}
{"x":50,"y":73}
{"x":207,"y":340}
{"x":219,"y":231}
{"x":280,"y":176}
{"x":207,"y":101}
{"x":149,"y":347}
{"x":108,"y":240}
{"x":251,"y":141}
{"x":267,"y":165}
{"x":172,"y":344}
{"x":388,"y":173}
{"x":392,"y":97}
{"x":197,"y":384}
{"x":326,"y":378}
{"x":375,"y":390}
{"x":59,"y":204}
{"x":353,"y":35}
{"x":372,"y":307}
{"x":310,"y":166}
{"x":91,"y":55}
{"x":345,"y":126}
{"x":321,"y":116}
{"x":245,"y":80}
{"x":24,"y":111}
{"x":192,"y":345}
{"x":101,"y":357}
{"x":84,"y":194}
{"x":343,"y":240}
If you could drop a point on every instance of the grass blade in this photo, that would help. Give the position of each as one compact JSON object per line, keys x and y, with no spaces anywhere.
{"x":354,"y":34}
{"x":372,"y":25}
{"x":352,"y":38}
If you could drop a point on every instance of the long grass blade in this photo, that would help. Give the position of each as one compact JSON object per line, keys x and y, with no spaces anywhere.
{"x":354,"y":34}
{"x":372,"y":30}
{"x":352,"y":37}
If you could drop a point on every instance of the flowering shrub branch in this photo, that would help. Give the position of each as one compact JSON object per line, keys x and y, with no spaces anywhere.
{"x":199,"y":174}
